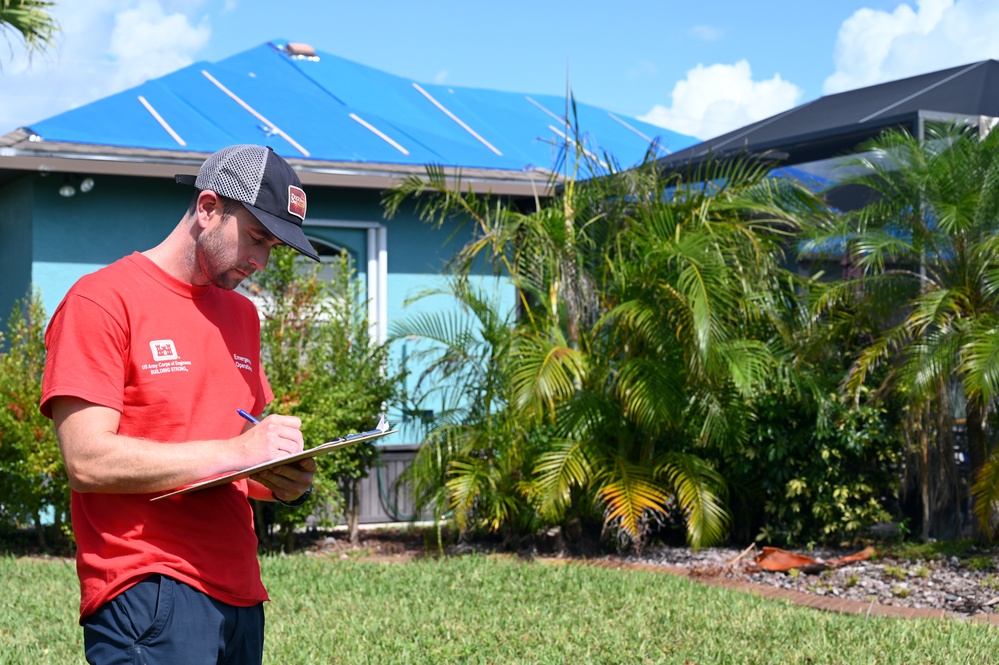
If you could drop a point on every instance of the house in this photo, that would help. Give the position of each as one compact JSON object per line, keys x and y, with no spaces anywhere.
{"x":83,"y":188}
{"x":349,"y":130}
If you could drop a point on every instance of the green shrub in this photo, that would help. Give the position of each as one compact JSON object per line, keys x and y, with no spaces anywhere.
{"x":981,"y":562}
{"x":810,"y":475}
{"x":324,"y":368}
{"x":34,"y":489}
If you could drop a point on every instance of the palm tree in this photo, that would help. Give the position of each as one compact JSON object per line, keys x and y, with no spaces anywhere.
{"x":634,"y":290}
{"x":688,"y":277}
{"x":32,"y":20}
{"x":929,"y":278}
{"x":476,"y":453}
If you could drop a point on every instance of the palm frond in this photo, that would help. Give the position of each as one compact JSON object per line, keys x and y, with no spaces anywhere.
{"x":467,"y":480}
{"x":547,"y":373}
{"x":565,"y":466}
{"x":748,"y":363}
{"x":698,"y":489}
{"x":630,"y":495}
{"x":32,"y":21}
{"x":985,"y":491}
{"x":929,"y":362}
{"x":980,"y":361}
{"x":650,"y":398}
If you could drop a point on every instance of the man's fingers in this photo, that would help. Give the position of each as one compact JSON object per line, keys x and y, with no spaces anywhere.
{"x":282,"y":434}
{"x":288,"y":480}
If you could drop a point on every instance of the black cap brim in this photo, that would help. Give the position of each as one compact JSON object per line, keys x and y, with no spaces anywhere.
{"x":288,"y":233}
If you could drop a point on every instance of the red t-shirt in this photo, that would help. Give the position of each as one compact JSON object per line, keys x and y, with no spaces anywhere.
{"x":177,"y":361}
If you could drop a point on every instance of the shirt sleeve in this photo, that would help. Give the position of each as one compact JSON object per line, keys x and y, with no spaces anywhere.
{"x":86,"y":355}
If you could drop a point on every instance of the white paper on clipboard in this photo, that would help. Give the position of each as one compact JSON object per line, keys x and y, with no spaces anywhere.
{"x":382,"y":429}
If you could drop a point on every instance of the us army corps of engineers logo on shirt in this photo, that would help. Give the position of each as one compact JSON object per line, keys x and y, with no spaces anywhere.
{"x":165,"y":358}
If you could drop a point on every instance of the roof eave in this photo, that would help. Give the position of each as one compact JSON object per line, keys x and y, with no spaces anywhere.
{"x":18,"y":152}
{"x":817,"y":145}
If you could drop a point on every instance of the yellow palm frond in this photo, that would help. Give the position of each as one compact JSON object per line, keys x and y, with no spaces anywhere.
{"x":631,"y":495}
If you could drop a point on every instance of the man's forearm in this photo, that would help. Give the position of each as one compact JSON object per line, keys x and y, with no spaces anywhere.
{"x":98,"y":459}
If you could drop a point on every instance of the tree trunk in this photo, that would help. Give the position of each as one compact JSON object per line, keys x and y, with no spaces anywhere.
{"x":262,"y":525}
{"x":352,"y":499}
{"x":40,"y":531}
{"x":975,"y":431}
{"x":975,"y":428}
{"x":57,"y":527}
{"x":925,"y":478}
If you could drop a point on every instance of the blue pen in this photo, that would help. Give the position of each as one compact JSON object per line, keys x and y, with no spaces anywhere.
{"x":248,"y":416}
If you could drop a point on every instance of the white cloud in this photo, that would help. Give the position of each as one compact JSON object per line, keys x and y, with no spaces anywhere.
{"x":441,"y":77}
{"x":105,"y":46}
{"x":876,"y":46}
{"x":718,"y":98}
{"x":147,"y":43}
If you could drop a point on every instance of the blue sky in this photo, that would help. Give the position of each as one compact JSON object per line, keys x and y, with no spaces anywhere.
{"x":699,"y":68}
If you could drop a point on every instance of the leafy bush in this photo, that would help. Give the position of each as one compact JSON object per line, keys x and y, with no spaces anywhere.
{"x":805,"y":478}
{"x":324,"y":368}
{"x":33,"y":480}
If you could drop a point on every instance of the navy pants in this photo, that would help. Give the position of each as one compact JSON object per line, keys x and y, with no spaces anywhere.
{"x":160,"y":621}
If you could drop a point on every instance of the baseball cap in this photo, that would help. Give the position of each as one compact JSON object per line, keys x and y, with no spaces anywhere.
{"x":265,"y":184}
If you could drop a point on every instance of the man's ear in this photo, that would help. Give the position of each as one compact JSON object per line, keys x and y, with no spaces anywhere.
{"x":209,"y":205}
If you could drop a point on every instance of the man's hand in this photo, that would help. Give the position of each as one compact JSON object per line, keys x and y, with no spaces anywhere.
{"x":288,"y":481}
{"x":274,"y":436}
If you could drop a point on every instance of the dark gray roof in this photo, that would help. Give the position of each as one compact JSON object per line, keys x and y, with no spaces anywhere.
{"x":835,"y":125}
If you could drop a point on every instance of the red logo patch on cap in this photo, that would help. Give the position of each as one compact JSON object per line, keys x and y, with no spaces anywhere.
{"x":296,"y":202}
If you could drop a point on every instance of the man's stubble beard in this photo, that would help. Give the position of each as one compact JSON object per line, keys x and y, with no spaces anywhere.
{"x":209,"y":249}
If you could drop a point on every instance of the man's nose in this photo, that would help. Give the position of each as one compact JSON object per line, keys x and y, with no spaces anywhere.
{"x":259,"y":258}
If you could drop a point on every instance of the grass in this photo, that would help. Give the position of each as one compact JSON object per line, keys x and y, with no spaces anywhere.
{"x":481,"y":609}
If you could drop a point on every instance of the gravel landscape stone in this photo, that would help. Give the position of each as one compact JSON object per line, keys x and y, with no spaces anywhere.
{"x":944,"y":583}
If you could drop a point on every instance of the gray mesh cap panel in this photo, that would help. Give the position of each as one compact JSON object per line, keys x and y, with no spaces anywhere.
{"x":234,"y":172}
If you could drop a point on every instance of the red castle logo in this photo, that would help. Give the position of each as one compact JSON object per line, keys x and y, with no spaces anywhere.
{"x":163,"y":349}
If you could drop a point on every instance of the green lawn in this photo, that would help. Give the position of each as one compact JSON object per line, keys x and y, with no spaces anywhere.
{"x":480,"y":609}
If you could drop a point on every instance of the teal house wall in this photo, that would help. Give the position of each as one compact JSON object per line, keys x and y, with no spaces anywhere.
{"x":77,"y":235}
{"x":17,"y":232}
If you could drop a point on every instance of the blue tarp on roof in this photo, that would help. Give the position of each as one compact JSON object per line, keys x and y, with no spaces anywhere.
{"x":331,"y":109}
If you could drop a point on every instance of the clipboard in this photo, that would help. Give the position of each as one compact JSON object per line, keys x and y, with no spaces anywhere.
{"x":382,"y":429}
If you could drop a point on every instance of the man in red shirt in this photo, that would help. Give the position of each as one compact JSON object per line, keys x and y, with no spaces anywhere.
{"x":149,"y":360}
